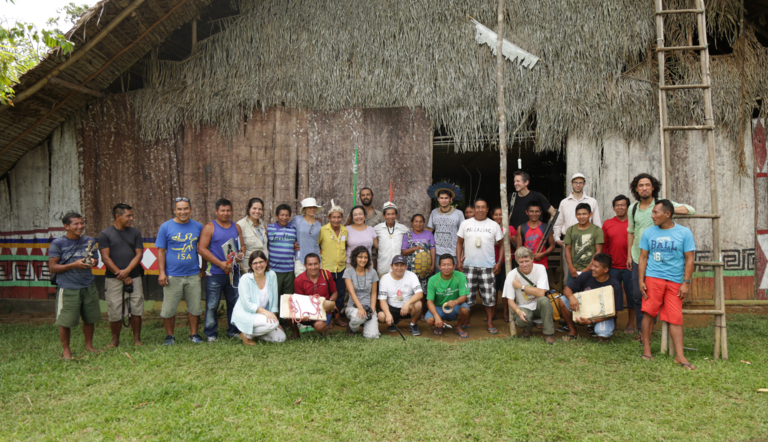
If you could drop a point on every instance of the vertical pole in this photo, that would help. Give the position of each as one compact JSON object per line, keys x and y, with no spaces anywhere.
{"x":663,"y":139}
{"x":503,"y":147}
{"x":194,"y":33}
{"x":721,"y":341}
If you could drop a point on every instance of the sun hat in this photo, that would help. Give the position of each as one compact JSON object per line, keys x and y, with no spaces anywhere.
{"x":309,"y":202}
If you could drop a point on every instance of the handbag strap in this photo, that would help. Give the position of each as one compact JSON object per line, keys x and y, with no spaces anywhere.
{"x":123,"y":238}
{"x":73,"y":253}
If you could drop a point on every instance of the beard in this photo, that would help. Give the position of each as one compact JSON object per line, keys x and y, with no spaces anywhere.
{"x":366,"y":201}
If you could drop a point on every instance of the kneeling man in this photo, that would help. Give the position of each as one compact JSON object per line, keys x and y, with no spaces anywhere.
{"x":593,"y":277}
{"x":315,"y":281}
{"x":447,"y":291}
{"x":400,"y":295}
{"x":526,"y":292}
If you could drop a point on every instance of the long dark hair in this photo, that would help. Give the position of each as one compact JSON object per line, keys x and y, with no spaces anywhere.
{"x":349,"y":218}
{"x":654,"y":182}
{"x":356,"y":252}
{"x":254,"y":255}
{"x":251,"y":202}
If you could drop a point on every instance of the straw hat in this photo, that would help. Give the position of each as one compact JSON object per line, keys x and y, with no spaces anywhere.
{"x":309,"y":202}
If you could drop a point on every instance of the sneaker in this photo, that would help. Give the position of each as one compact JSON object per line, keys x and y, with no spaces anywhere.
{"x":591,"y":329}
{"x":196,"y":339}
{"x":169,"y":340}
{"x":414,"y":328}
{"x":392,"y":329}
{"x":212,"y":339}
{"x":563,"y":329}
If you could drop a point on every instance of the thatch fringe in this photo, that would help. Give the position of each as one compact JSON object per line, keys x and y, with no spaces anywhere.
{"x":334,"y":54}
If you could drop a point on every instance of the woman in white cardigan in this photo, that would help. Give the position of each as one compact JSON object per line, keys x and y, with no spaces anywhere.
{"x":254,"y":313}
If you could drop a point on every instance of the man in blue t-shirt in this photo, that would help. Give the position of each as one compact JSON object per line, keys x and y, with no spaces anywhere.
{"x":76,"y":296}
{"x":282,"y":245}
{"x":180,"y":269}
{"x":666,"y":268}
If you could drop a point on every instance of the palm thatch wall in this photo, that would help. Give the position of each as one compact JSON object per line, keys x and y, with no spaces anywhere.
{"x":596,"y":77}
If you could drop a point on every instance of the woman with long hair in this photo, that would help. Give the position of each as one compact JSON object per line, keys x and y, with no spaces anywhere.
{"x":360,"y":234}
{"x":253,"y":228}
{"x":416,"y":240}
{"x":257,"y":303}
{"x":362,"y":281}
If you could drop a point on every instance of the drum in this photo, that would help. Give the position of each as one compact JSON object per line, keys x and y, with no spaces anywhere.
{"x":595,"y":304}
{"x":422,"y":263}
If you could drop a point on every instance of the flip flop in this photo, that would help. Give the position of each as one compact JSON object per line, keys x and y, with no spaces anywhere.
{"x":111,"y":346}
{"x":493,"y":331}
{"x":568,"y":338}
{"x":139,"y":344}
{"x":506,"y":319}
{"x":630,"y":331}
{"x":647,"y":357}
{"x":462,"y":334}
{"x":439,"y":331}
{"x":689,"y":366}
{"x":465,"y":326}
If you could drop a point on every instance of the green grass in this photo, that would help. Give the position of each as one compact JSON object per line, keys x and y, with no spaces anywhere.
{"x":354,"y":389}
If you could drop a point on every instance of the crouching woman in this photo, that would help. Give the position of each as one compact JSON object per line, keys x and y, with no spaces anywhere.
{"x":257,"y":303}
{"x":361,"y":281}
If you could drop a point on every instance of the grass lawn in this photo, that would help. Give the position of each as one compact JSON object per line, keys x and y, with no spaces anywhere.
{"x":349,"y":388}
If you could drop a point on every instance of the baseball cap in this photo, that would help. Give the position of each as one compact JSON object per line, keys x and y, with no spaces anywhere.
{"x":399,"y":259}
{"x":578,"y":175}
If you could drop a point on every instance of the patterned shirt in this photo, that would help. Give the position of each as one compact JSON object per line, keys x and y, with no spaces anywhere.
{"x":281,"y":240}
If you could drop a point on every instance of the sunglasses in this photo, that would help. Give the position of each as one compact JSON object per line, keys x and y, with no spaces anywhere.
{"x":181,"y":198}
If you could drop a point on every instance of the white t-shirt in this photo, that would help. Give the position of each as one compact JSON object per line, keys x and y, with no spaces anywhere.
{"x":538,"y":276}
{"x":484,"y":233}
{"x":390,"y":244}
{"x":397,"y":292}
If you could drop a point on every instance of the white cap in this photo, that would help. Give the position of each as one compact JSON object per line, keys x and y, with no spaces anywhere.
{"x":578,"y":175}
{"x":389,"y":205}
{"x":309,"y":202}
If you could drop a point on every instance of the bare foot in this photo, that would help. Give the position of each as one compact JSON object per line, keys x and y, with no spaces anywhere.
{"x":67,"y":356}
{"x":114,"y":344}
{"x":629,"y":330}
{"x":138,"y":343}
{"x":92,"y":350}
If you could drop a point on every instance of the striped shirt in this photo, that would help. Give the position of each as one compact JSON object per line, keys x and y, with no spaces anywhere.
{"x":281,"y":254}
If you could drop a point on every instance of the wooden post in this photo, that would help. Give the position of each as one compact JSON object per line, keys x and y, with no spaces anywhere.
{"x":194,"y":34}
{"x":503,"y":150}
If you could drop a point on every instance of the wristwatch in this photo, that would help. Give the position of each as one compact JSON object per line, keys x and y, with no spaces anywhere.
{"x":687,"y":281}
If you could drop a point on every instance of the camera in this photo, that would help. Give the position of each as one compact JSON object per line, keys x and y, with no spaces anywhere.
{"x":128,"y":288}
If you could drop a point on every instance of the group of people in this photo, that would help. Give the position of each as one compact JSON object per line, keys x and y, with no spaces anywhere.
{"x":432,"y":272}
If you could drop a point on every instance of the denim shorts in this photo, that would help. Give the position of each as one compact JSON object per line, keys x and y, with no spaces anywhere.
{"x":450,"y":316}
{"x":603,"y":329}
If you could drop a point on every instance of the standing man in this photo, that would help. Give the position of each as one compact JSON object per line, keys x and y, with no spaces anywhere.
{"x":582,"y":241}
{"x":645,"y":189}
{"x":333,"y":253}
{"x":76,"y":294}
{"x":390,"y":234}
{"x":122,"y":247}
{"x":315,"y":281}
{"x":400,"y":296}
{"x":665,"y":278}
{"x":444,"y":223}
{"x":567,"y":208}
{"x":281,"y":237}
{"x":180,"y":270}
{"x":524,"y":196}
{"x":526,"y":292}
{"x":214,"y":235}
{"x":615,"y":236}
{"x":372,"y":216}
{"x":475,"y":252}
{"x":531,"y":234}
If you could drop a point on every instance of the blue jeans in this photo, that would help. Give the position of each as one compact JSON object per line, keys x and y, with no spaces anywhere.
{"x":603,"y":329}
{"x":450,"y":316}
{"x":214,"y":285}
{"x":624,"y":277}
{"x":637,"y":295}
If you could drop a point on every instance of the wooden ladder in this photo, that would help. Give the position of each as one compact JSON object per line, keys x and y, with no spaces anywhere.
{"x":721,"y":337}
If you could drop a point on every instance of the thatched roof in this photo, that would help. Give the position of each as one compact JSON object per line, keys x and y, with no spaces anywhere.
{"x":596,"y":76}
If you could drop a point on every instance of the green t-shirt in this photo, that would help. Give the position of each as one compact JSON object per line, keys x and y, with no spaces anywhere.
{"x":583,"y":244}
{"x":440,"y":290}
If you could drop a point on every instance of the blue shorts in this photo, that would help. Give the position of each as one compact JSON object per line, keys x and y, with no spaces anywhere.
{"x":450,"y":316}
{"x":603,"y":329}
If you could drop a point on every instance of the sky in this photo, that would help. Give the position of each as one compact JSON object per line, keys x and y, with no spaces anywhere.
{"x":37,"y":11}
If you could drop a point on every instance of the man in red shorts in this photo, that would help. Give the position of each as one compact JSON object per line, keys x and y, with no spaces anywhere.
{"x":665,"y":268}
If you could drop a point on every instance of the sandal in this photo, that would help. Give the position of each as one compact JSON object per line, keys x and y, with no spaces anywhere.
{"x":687,"y":366}
{"x":568,"y":338}
{"x":647,"y":357}
{"x":439,"y":330}
{"x":493,"y":331}
{"x":630,"y":331}
{"x":462,"y":334}
{"x":466,"y":326}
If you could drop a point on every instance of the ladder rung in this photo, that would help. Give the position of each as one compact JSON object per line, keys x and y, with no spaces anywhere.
{"x":689,"y":127}
{"x":703,"y":312}
{"x":680,"y":11}
{"x":680,"y":48}
{"x":700,"y":215}
{"x":708,"y":263}
{"x":684,"y":86}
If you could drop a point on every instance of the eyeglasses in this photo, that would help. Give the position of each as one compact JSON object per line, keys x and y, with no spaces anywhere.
{"x":311,"y":228}
{"x":181,"y":198}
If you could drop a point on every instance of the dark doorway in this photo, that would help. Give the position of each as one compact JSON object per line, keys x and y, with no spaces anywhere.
{"x":477,"y":173}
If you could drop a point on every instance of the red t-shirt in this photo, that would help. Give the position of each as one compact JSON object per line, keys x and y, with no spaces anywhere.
{"x":615,"y":233}
{"x":497,"y":249}
{"x":532,"y":239}
{"x":302,"y":285}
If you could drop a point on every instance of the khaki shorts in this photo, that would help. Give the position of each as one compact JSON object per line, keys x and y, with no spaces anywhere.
{"x":72,"y":304}
{"x":298,"y":267}
{"x":113,"y":295}
{"x":187,"y":287}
